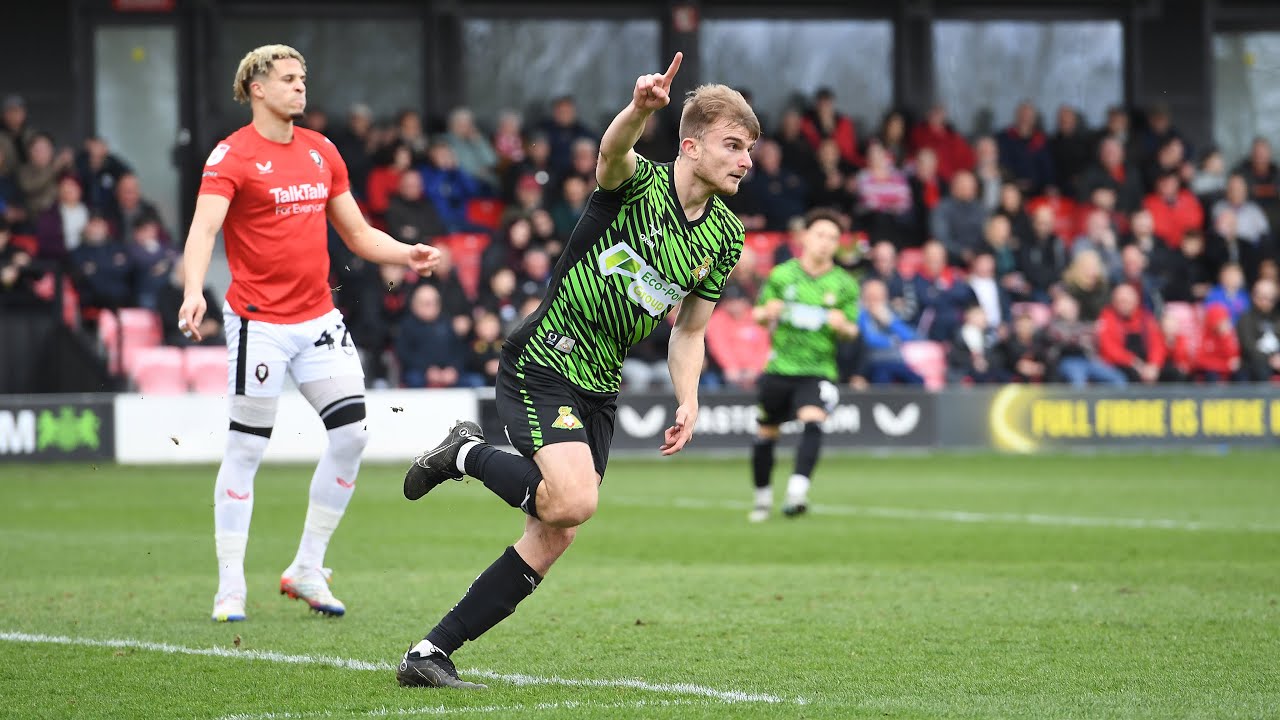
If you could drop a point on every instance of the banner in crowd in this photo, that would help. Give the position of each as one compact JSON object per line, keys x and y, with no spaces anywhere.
{"x":51,"y":428}
{"x":728,"y":420}
{"x":1023,"y":418}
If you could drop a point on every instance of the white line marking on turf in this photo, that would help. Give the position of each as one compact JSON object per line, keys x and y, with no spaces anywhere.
{"x":964,"y":516}
{"x":727,"y":696}
{"x":445,"y":710}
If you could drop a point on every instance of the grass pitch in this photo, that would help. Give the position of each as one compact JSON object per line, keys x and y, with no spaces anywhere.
{"x":949,"y":586}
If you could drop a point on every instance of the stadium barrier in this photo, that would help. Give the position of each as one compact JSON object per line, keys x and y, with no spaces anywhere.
{"x":1013,"y":418}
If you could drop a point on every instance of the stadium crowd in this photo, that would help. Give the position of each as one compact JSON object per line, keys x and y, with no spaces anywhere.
{"x":1118,"y":254}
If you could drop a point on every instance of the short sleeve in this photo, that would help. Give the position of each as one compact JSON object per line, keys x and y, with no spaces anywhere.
{"x":770,"y":289}
{"x":338,"y":167}
{"x":221,"y":174}
{"x":713,"y":284}
{"x":639,"y":182}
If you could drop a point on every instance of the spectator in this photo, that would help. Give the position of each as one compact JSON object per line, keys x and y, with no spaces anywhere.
{"x":988,"y":172}
{"x":536,"y":164}
{"x":409,"y":133}
{"x":582,"y":160}
{"x":544,"y":233}
{"x":1072,"y":347}
{"x":500,"y":298}
{"x":100,"y":267}
{"x":411,"y":218}
{"x":798,"y":155}
{"x":1225,"y":246}
{"x":892,"y":136}
{"x":1133,"y":272}
{"x":823,"y":121}
{"x":508,"y":248}
{"x":454,"y":302}
{"x":1116,"y":127}
{"x":1024,"y":151}
{"x":529,"y":197}
{"x":449,"y":187}
{"x":999,"y":241}
{"x":1042,"y":257}
{"x":562,"y":129}
{"x":17,"y":276}
{"x":472,"y":149}
{"x":508,"y":140}
{"x":882,"y":334}
{"x":15,"y":134}
{"x":983,"y":288}
{"x":1218,"y":354}
{"x":12,"y":209}
{"x":884,"y":267}
{"x":1130,"y":339}
{"x":38,"y":177}
{"x":1160,"y":132}
{"x":430,"y":353}
{"x":770,"y":195}
{"x":1210,"y":181}
{"x":1100,"y":238}
{"x":151,"y":262}
{"x":1251,"y":222}
{"x":131,"y":209}
{"x":392,"y":162}
{"x":973,"y":358}
{"x":1192,"y":274}
{"x":1230,"y":292}
{"x":1263,"y":177}
{"x":657,"y":142}
{"x":1170,"y":158}
{"x":534,"y":275}
{"x":830,"y":184}
{"x":1160,"y":258}
{"x":1071,"y":148}
{"x":169,"y":296}
{"x":316,"y":120}
{"x":483,"y":352}
{"x":738,"y":344}
{"x":1024,"y":353}
{"x":927,"y":191}
{"x":940,"y":281}
{"x":58,"y":229}
{"x":1085,"y":280}
{"x":884,"y":197}
{"x":948,"y":146}
{"x":1174,"y":210}
{"x":381,"y":310}
{"x":1112,"y":171}
{"x":355,"y":143}
{"x":957,"y":221}
{"x":574,"y":192}
{"x":99,"y":172}
{"x":1178,"y":364}
{"x":1012,"y":208}
{"x":1259,"y":334}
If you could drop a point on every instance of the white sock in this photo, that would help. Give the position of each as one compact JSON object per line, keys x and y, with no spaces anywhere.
{"x":797,"y":488}
{"x":233,"y":507}
{"x":424,"y":648}
{"x":764,"y":496}
{"x":462,"y":455}
{"x":332,"y":486}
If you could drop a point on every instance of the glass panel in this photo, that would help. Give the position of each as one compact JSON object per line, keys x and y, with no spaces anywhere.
{"x":521,"y":64}
{"x":1246,"y":94}
{"x":778,"y":59}
{"x":984,"y":69}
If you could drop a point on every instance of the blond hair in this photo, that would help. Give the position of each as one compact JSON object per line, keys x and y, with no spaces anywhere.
{"x":708,"y":105}
{"x":257,"y":63}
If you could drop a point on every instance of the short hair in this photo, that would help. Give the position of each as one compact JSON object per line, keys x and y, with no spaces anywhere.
{"x":707,"y":105}
{"x":257,"y":63}
{"x":822,"y":213}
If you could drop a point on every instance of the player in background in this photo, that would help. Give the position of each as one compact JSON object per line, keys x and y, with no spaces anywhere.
{"x":652,"y":237}
{"x":811,"y":304}
{"x":269,"y":187}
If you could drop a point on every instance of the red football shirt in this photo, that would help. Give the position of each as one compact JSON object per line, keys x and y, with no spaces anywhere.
{"x":276,"y":231}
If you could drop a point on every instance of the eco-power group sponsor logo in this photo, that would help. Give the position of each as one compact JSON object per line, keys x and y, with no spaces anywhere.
{"x":648,"y":288}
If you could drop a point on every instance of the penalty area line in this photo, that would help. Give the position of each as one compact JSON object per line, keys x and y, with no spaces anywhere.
{"x":723,"y":696}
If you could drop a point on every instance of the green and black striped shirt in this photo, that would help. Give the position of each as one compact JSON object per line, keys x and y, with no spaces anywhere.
{"x":632,"y":257}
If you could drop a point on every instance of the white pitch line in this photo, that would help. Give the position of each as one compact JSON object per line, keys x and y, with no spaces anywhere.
{"x":727,"y":696}
{"x":965,"y":516}
{"x":436,"y":710}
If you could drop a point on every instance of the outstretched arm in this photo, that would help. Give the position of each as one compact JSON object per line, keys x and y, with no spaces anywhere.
{"x":374,"y":245}
{"x":685,"y":355}
{"x":617,"y":160}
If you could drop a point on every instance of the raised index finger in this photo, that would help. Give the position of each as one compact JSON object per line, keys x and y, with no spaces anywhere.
{"x":675,"y":68}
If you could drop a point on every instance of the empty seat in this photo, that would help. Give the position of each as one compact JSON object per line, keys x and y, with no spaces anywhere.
{"x":764,"y":245}
{"x":929,"y":360}
{"x":157,"y":371}
{"x":205,"y":369}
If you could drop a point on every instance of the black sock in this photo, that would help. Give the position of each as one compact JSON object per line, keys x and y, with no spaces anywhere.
{"x":762,"y":461}
{"x":490,"y":599}
{"x":514,"y":478}
{"x":810,"y":445}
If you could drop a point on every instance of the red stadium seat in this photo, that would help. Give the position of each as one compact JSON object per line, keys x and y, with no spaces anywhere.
{"x":929,"y":360}
{"x":1040,"y":313}
{"x":485,"y":212}
{"x":139,"y":329}
{"x":467,"y":249}
{"x":158,"y":371}
{"x":206,"y":369}
{"x":764,"y":245}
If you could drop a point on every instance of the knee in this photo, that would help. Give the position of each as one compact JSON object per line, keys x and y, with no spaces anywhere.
{"x":566,"y":510}
{"x":246,"y":448}
{"x":350,"y":439}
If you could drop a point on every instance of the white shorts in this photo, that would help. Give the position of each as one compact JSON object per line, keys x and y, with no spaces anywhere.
{"x":259,"y":353}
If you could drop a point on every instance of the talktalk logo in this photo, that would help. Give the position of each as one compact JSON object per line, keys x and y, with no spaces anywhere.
{"x":25,"y":432}
{"x":300,"y":193}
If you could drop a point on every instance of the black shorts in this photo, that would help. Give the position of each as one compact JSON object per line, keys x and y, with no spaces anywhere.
{"x":782,"y":395}
{"x":538,"y":407}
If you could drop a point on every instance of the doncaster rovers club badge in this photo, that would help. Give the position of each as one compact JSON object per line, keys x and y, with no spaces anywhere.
{"x":701,"y":272}
{"x":567,"y":420}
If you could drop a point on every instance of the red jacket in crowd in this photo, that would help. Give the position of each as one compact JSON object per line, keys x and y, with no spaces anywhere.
{"x":953,"y":151}
{"x":1172,"y":220}
{"x":1218,"y":348}
{"x":844,"y":133}
{"x":1113,"y":331}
